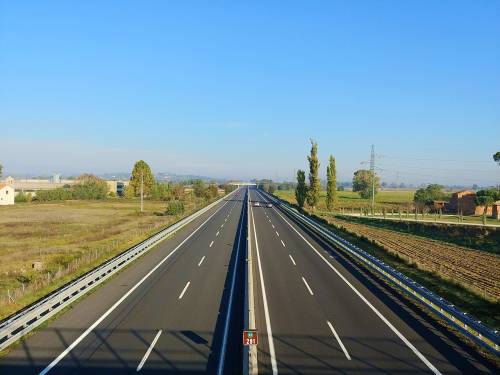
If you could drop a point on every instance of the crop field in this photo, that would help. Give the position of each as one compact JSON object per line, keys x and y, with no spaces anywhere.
{"x":68,"y":238}
{"x":350,"y":203}
{"x":475,"y":270}
{"x":350,"y":199}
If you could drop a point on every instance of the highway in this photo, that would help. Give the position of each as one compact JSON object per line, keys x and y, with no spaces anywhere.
{"x":318,"y":313}
{"x":174,"y":321}
{"x":179,"y":309}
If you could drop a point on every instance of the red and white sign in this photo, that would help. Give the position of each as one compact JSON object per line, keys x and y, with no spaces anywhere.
{"x":250,"y":337}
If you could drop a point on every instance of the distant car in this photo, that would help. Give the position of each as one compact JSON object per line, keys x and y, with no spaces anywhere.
{"x":269,"y":205}
{"x":256,"y":204}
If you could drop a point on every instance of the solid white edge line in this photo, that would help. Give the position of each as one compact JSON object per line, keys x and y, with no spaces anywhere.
{"x":293,"y":260}
{"x":270,"y":341}
{"x":118,"y":303}
{"x":373,"y":308}
{"x":339,"y":341}
{"x":222,"y":357}
{"x":201,"y":261}
{"x":148,"y":352}
{"x":184,"y":290}
{"x":307,"y":286}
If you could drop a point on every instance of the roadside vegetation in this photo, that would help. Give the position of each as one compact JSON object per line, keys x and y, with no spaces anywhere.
{"x":49,"y":241}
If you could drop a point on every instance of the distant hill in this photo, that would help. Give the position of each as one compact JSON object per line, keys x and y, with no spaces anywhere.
{"x":161,"y":176}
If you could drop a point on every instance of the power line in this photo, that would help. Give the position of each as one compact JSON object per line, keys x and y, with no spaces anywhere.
{"x":439,"y":160}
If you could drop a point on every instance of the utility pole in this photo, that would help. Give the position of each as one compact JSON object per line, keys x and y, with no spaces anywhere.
{"x":142,"y":191}
{"x":372,"y":170}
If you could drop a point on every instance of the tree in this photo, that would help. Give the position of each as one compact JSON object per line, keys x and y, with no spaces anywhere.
{"x":426,"y":195}
{"x":141,"y":171}
{"x":362,"y":183}
{"x":331,"y":184}
{"x":301,"y":189}
{"x":90,"y":187}
{"x":161,"y":191}
{"x":486,"y":198}
{"x":212,"y":191}
{"x":199,"y":188}
{"x":496,"y":157}
{"x":314,"y":183}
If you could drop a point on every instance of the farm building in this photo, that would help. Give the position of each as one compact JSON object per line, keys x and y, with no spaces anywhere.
{"x":495,"y":212}
{"x":439,"y":205}
{"x":463,"y":201}
{"x":6,"y":195}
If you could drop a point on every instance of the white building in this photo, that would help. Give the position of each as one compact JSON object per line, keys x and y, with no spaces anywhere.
{"x":6,"y":195}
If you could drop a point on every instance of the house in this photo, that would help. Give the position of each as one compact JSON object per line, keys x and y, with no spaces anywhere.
{"x":439,"y":205}
{"x":463,"y":202}
{"x":6,"y":195}
{"x":495,"y":212}
{"x":9,"y":180}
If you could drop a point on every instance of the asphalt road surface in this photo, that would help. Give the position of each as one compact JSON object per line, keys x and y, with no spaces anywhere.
{"x":174,"y":322}
{"x":318,"y":313}
{"x":179,"y":310}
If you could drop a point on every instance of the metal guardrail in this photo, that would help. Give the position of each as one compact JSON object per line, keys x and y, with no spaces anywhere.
{"x":17,"y":325}
{"x":463,"y":322}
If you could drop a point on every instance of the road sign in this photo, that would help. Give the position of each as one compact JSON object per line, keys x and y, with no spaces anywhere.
{"x":250,"y":337}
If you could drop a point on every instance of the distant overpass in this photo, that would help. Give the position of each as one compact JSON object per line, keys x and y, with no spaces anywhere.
{"x":239,"y":183}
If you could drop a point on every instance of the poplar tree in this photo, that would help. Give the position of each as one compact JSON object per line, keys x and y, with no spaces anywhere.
{"x":314,"y":183}
{"x":331,"y":186}
{"x":301,"y":189}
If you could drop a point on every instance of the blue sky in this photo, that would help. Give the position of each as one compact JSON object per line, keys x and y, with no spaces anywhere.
{"x":236,"y":89}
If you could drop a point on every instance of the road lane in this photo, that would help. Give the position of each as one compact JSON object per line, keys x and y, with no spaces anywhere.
{"x":300,"y":322}
{"x":186,"y":302}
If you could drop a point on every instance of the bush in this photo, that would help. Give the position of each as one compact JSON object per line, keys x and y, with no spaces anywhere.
{"x":54,"y":195}
{"x":23,"y":197}
{"x":88,"y":187}
{"x":175,"y":207}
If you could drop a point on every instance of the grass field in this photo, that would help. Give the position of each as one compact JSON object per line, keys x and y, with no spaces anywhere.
{"x":68,"y":238}
{"x":350,"y":199}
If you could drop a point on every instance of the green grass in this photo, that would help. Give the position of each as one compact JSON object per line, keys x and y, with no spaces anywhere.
{"x":350,"y":199}
{"x":69,"y":238}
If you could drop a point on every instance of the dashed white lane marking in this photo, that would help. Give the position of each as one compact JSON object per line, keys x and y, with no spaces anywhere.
{"x":277,"y":233}
{"x":222,"y":226}
{"x":368,"y":303}
{"x":293,"y":260}
{"x":211,"y":243}
{"x":201,"y":261}
{"x":308,"y":287}
{"x":184,"y":290}
{"x":217,"y":234}
{"x":283,"y":243}
{"x":339,"y":341}
{"x":272,"y":225}
{"x":148,"y":352}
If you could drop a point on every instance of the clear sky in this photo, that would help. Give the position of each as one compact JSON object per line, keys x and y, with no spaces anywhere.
{"x":235,"y":89}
